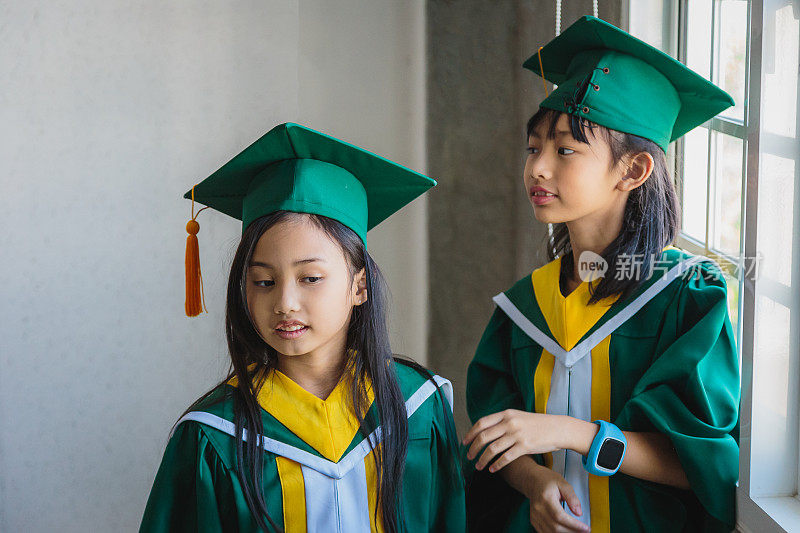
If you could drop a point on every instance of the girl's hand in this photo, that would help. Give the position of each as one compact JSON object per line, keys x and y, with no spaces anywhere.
{"x":546,"y":490}
{"x":514,"y":432}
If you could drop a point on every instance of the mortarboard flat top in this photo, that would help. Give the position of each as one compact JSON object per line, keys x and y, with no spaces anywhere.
{"x":295,"y":168}
{"x":632,"y":87}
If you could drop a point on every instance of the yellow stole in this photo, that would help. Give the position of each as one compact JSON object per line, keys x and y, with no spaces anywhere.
{"x":328,"y":426}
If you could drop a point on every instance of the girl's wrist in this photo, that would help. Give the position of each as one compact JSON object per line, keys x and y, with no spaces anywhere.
{"x":578,"y":435}
{"x":534,"y":471}
{"x":521,"y":474}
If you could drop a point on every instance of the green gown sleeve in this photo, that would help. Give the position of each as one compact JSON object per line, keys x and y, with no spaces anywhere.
{"x":448,"y":511}
{"x":492,"y":504}
{"x":194,"y":490}
{"x":490,"y":383}
{"x":691,"y":392}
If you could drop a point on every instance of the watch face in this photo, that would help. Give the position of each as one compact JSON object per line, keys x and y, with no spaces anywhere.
{"x":610,"y":454}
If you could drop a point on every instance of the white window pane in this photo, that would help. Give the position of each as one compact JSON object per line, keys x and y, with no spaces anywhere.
{"x":727,"y":168}
{"x":695,"y":176}
{"x":642,"y":15}
{"x":732,"y":49}
{"x":776,"y":217}
{"x":780,"y":63}
{"x":698,"y":37}
{"x":780,"y":146}
{"x":774,"y":442}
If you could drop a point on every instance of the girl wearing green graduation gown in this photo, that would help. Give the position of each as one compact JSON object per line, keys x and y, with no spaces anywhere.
{"x":608,"y":401}
{"x":317,"y":427}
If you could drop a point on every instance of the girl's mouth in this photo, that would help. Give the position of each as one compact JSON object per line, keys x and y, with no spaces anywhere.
{"x":291,"y":332}
{"x":541,"y":198}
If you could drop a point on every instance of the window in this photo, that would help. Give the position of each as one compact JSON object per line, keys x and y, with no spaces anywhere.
{"x":710,"y":160}
{"x":709,"y":36}
{"x":738,"y":177}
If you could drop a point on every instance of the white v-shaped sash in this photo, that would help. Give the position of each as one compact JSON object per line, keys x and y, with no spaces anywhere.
{"x":571,"y":381}
{"x":336,"y":493}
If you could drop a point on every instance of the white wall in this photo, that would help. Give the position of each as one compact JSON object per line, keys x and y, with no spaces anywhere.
{"x":109,"y":111}
{"x":362,"y":79}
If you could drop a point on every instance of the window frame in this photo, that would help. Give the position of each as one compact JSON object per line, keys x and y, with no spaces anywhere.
{"x":756,"y":513}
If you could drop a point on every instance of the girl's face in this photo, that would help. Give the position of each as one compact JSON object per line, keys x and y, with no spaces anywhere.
{"x":300,"y":292}
{"x":567,"y":180}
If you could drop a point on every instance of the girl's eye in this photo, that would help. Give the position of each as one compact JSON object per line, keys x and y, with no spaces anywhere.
{"x":313,"y":279}
{"x":264,"y":283}
{"x":533,"y":150}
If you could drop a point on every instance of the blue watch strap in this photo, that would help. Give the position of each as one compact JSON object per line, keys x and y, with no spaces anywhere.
{"x":607,"y":451}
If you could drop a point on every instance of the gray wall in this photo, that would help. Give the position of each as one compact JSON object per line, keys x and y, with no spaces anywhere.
{"x":483,"y":235}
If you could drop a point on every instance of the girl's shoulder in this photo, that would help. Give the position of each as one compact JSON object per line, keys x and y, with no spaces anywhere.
{"x":218,"y":402}
{"x":411,"y":376}
{"x":692,"y":270}
{"x":423,"y":391}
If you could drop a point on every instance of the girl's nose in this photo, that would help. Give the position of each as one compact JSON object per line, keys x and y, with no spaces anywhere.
{"x":539,"y":167}
{"x":288,"y":301}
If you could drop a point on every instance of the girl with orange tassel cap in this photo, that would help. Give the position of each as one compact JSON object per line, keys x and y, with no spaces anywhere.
{"x":317,"y":427}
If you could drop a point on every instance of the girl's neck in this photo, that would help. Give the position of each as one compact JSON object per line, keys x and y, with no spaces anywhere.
{"x":317,"y":375}
{"x":566,"y":283}
{"x":593,"y":233}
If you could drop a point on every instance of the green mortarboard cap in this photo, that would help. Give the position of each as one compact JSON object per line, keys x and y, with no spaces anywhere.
{"x":295,"y":168}
{"x":628,"y":85}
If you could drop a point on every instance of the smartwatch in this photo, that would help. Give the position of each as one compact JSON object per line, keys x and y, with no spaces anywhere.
{"x":607,"y":450}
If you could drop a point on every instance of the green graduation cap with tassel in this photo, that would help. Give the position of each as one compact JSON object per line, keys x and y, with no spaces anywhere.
{"x":611,"y":78}
{"x":295,"y":168}
{"x":682,"y":383}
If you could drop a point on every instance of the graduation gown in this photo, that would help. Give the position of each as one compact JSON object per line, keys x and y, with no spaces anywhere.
{"x":319,"y":472}
{"x":664,"y":360}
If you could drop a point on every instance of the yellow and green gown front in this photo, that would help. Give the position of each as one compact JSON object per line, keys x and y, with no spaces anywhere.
{"x":663,"y":360}
{"x":319,"y":471}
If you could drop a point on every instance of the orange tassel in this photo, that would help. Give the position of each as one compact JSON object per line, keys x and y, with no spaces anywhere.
{"x":541,"y":68}
{"x":195,"y":299}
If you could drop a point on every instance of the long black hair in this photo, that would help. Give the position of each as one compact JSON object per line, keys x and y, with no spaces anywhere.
{"x":652,"y":213}
{"x":368,"y":342}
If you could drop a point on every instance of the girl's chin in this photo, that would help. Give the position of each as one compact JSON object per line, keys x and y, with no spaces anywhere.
{"x":292,"y":354}
{"x":289,"y":348}
{"x":546,"y":218}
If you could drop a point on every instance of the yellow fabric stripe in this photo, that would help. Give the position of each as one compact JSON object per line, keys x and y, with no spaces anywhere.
{"x":293,"y":491}
{"x":372,"y":493}
{"x":568,"y":317}
{"x":328,"y":425}
{"x":601,"y":410}
{"x":541,"y":390}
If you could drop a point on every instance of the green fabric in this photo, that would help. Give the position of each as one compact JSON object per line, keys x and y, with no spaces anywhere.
{"x":632,"y":87}
{"x":295,"y":168}
{"x":197,"y":488}
{"x":674,"y":369}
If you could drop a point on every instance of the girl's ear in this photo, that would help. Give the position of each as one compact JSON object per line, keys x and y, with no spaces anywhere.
{"x":360,"y":287}
{"x":638,"y":169}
